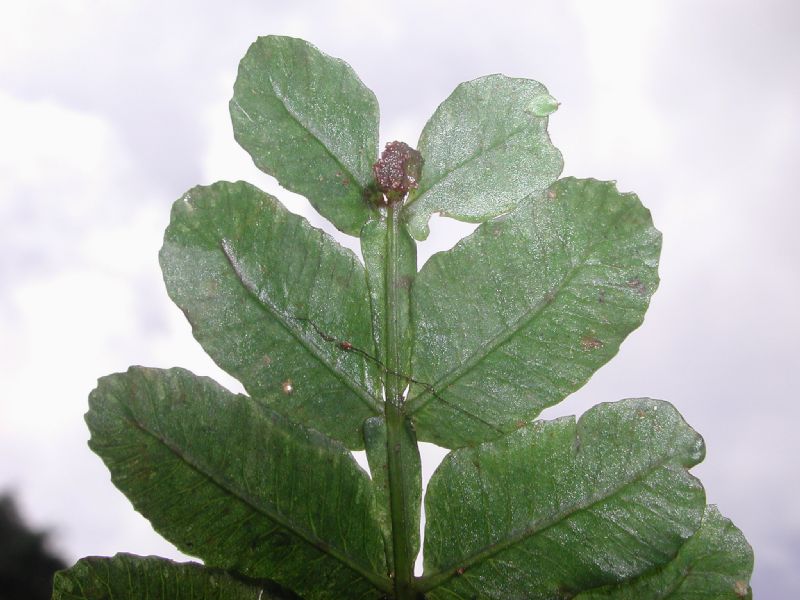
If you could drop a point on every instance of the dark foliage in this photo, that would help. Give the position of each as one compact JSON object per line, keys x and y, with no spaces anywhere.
{"x":26,"y":564}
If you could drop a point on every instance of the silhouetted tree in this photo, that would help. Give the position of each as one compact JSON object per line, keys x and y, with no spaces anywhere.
{"x":26,"y":565}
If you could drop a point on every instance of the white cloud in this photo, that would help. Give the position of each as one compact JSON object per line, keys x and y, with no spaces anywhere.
{"x":79,"y":269}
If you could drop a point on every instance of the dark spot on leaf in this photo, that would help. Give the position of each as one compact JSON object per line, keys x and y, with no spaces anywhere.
{"x":267,"y":360}
{"x":460,"y":570}
{"x":342,"y":178}
{"x":590,"y":343}
{"x":404,"y":282}
{"x":601,"y":297}
{"x":279,"y":539}
{"x":397,"y":171}
{"x":372,"y":195}
{"x":637,"y":286}
{"x":565,"y":593}
{"x":496,"y":228}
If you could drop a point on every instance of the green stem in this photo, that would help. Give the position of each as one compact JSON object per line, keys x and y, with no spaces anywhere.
{"x":399,"y":504}
{"x":394,"y":310}
{"x":396,"y":426}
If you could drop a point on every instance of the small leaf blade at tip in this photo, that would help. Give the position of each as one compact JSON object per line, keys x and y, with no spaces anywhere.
{"x":486,"y":149}
{"x":308,"y":120}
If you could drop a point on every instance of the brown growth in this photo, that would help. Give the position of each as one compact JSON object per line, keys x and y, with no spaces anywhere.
{"x":590,"y":343}
{"x":397,"y":171}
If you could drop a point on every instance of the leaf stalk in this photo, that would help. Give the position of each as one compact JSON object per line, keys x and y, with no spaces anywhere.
{"x":396,"y":426}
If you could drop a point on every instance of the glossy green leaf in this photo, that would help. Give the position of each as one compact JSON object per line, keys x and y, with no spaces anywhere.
{"x":485,"y":148}
{"x":559,"y":507}
{"x":128,"y":577}
{"x":308,"y":120}
{"x":715,"y":564}
{"x":522,"y":312}
{"x":226,"y":479}
{"x":271,"y":299}
{"x":377,"y":454}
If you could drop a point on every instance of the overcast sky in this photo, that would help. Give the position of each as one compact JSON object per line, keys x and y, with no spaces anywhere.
{"x":109,"y":111}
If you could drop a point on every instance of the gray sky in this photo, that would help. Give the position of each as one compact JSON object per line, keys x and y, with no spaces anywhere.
{"x":111,"y":110}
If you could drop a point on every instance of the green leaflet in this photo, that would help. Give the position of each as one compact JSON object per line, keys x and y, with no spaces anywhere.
{"x":559,"y":507}
{"x":522,"y":312}
{"x":307,"y":119}
{"x":715,"y":563}
{"x":128,"y":577}
{"x":271,"y":298}
{"x":486,"y":149}
{"x":174,"y":444}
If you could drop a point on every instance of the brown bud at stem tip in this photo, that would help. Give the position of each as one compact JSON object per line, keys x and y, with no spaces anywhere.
{"x":397,"y":171}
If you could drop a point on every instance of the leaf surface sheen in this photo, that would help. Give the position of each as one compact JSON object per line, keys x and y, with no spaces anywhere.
{"x":559,"y":507}
{"x":296,"y":498}
{"x":716,"y":563}
{"x":271,"y":298}
{"x":129,"y":577}
{"x":485,"y":149}
{"x":308,"y":120}
{"x":521,"y":313}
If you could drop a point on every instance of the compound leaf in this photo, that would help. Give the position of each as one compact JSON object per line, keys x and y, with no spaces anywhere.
{"x":559,"y":507}
{"x":271,"y":298}
{"x":715,"y":564}
{"x":308,"y":120}
{"x":129,"y":577}
{"x":485,"y":149}
{"x":522,"y":312}
{"x":226,"y":479}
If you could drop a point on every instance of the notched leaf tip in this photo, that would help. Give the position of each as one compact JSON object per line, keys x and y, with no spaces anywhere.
{"x":543,"y":105}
